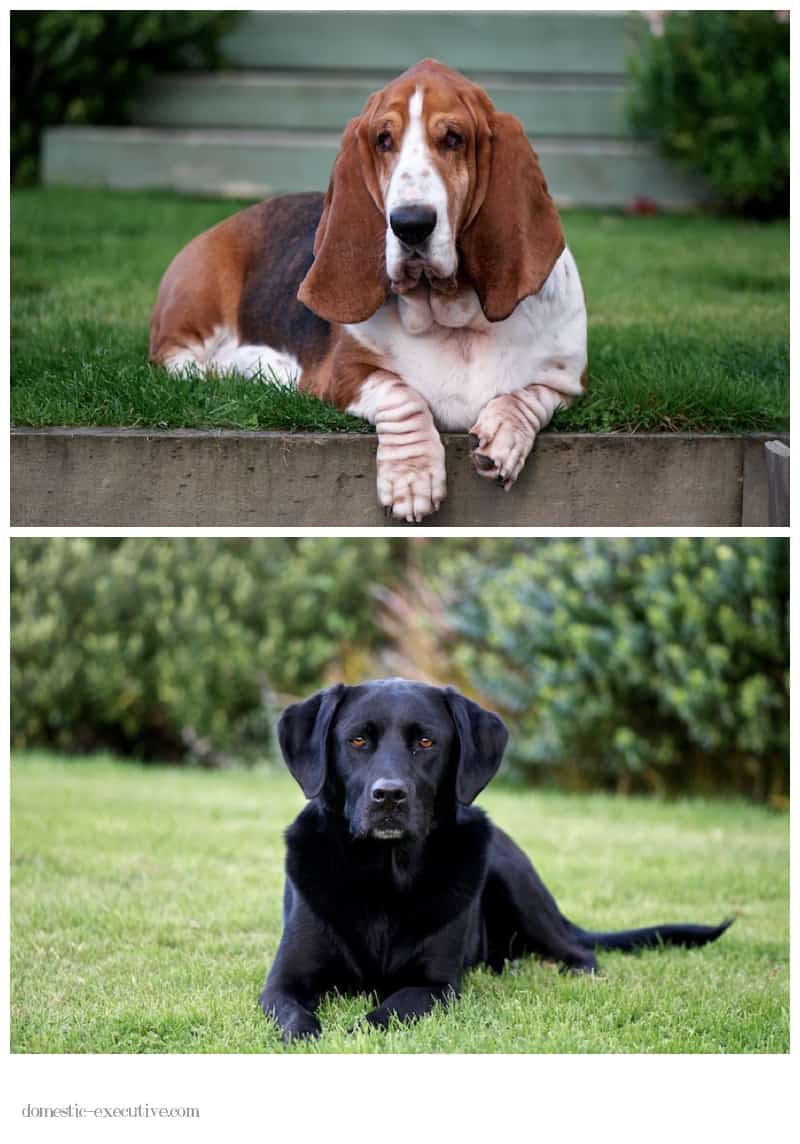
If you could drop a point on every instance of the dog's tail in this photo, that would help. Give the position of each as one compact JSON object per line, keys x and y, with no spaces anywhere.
{"x":629,"y":940}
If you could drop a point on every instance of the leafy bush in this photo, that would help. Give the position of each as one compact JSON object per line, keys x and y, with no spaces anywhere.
{"x":87,"y":66}
{"x":642,"y":664}
{"x":175,"y":648}
{"x":633,"y":664}
{"x":713,"y":89}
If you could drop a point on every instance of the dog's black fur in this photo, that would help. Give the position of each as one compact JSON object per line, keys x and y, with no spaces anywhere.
{"x":395,"y":884}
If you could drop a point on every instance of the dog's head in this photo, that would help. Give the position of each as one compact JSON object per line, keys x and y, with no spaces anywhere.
{"x":391,"y":755}
{"x":432,"y":182}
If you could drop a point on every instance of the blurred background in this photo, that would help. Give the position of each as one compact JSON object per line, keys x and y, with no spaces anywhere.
{"x":630,"y":665}
{"x":638,"y":109}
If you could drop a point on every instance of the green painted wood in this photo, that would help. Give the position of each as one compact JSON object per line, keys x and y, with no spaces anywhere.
{"x":242,"y":164}
{"x":562,"y":42}
{"x":283,"y":101}
{"x":256,"y":163}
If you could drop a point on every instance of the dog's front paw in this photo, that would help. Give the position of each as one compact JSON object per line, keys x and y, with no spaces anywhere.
{"x":375,"y":1019}
{"x":412,"y":485}
{"x":302,"y":1025}
{"x":501,"y":440}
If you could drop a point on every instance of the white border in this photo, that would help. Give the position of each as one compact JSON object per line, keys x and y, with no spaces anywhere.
{"x":563,"y":1099}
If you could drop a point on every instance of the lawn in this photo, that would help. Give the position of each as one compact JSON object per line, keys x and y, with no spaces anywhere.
{"x":146,"y":907}
{"x":688,"y":321}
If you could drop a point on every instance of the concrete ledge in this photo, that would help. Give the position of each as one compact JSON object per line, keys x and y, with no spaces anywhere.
{"x":184,"y":478}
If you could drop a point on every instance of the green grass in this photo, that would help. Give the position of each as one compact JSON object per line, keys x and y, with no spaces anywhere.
{"x":688,"y":321}
{"x":146,"y":908}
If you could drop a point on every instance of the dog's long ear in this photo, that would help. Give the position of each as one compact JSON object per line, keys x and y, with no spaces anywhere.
{"x":347,"y":281}
{"x":482,"y":739}
{"x":515,"y":237}
{"x":303,"y":735}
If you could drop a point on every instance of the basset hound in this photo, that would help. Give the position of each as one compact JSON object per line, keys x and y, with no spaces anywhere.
{"x":429,"y":289}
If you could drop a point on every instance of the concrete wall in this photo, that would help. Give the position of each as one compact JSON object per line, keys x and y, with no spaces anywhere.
{"x":184,"y":478}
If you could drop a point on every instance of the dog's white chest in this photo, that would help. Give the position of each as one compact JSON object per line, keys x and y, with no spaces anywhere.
{"x":445,"y":349}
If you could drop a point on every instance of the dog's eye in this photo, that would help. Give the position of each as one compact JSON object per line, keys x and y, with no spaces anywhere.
{"x":358,"y":741}
{"x":384,"y":141}
{"x":425,"y":743}
{"x":452,"y":140}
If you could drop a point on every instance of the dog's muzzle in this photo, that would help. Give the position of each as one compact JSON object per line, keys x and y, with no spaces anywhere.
{"x":387,"y":810}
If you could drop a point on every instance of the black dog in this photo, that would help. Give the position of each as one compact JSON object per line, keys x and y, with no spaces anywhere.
{"x":394,"y":884}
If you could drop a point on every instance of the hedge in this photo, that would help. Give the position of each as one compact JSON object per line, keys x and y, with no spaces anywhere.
{"x":633,"y":664}
{"x":89,"y":66}
{"x":712,"y":88}
{"x":178,"y":648}
{"x":629,"y":664}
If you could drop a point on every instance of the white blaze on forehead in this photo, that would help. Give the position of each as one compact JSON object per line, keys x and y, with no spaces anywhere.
{"x":415,"y":181}
{"x":413,"y":171}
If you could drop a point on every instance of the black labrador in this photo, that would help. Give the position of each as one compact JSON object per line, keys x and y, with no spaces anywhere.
{"x":395,"y":884}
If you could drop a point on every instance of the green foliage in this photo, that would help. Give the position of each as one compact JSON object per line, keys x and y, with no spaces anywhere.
{"x":642,"y":664}
{"x":175,"y":648}
{"x":87,"y":66}
{"x":713,"y":89}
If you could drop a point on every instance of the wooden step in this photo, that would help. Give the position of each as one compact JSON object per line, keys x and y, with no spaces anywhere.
{"x":547,"y":105}
{"x":257,"y":163}
{"x":584,"y":43}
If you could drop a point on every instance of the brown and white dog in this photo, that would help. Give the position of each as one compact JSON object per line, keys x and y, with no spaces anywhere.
{"x":430,"y":289}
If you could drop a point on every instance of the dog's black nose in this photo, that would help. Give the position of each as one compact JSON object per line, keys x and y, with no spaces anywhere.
{"x":389,"y":793}
{"x":412,"y":225}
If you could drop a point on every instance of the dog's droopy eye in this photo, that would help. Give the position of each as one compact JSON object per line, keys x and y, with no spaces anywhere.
{"x":452,"y":140}
{"x":425,"y":743}
{"x":358,"y":741}
{"x":384,"y":141}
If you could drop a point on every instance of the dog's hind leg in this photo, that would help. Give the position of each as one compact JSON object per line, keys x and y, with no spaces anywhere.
{"x":521,"y":914}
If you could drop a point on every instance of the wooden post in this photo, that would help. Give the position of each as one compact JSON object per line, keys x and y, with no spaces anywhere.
{"x":777,"y":455}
